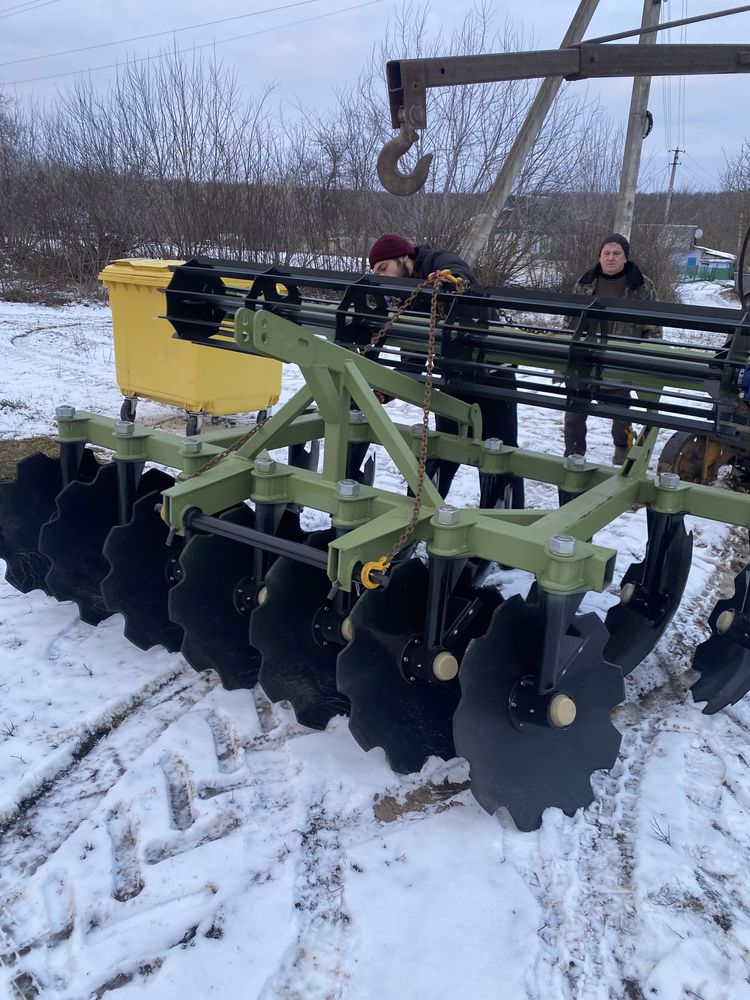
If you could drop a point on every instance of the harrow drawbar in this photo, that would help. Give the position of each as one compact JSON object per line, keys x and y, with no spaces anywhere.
{"x":382,"y":611}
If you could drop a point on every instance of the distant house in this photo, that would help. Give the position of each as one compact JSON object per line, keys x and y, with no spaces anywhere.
{"x":696,"y":262}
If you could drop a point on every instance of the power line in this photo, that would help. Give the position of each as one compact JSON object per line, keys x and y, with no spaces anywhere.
{"x":156,"y":34}
{"x":698,"y":166}
{"x":23,"y":7}
{"x":192,"y":48}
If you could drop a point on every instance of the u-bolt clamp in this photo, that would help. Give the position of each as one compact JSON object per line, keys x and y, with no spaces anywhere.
{"x":395,"y":180}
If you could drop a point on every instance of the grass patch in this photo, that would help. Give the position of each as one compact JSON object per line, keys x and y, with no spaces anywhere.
{"x":11,"y":452}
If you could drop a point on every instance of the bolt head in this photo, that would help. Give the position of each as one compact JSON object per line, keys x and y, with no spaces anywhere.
{"x":65,"y":412}
{"x":124,"y":428}
{"x":192,"y":446}
{"x":562,"y":545}
{"x":575,"y":462}
{"x":416,"y":430}
{"x":669,"y":480}
{"x":357,"y":417}
{"x":445,"y":514}
{"x":562,"y":711}
{"x":347,"y":488}
{"x":265,"y":466}
{"x":724,"y":621}
{"x":493,"y":445}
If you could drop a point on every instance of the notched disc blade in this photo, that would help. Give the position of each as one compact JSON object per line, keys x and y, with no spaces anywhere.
{"x":74,"y":539}
{"x":635,"y":628}
{"x":410,"y":720}
{"x":539,"y":766}
{"x":26,"y":503}
{"x":141,"y":575}
{"x":295,"y":666}
{"x":723,"y":661}
{"x":203,"y":603}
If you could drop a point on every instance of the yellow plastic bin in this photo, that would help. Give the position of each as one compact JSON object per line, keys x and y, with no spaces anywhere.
{"x":152,"y":364}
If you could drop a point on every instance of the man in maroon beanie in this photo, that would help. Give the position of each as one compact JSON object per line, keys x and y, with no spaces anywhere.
{"x":392,"y":255}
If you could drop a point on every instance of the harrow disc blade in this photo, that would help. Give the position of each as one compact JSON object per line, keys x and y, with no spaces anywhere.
{"x":724,"y":658}
{"x":26,"y":503}
{"x":73,"y":540}
{"x":298,"y":664}
{"x":530,"y":767}
{"x":142,"y":572}
{"x":207,"y":604}
{"x":636,"y":627}
{"x":410,"y":720}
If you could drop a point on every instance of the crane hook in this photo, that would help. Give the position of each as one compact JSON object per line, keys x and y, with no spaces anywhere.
{"x":393,"y":179}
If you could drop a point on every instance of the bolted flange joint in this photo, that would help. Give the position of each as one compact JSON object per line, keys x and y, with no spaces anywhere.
{"x":493,"y":445}
{"x":669,"y":480}
{"x":446,"y":514}
{"x":347,"y":488}
{"x":191,"y":446}
{"x":562,"y":545}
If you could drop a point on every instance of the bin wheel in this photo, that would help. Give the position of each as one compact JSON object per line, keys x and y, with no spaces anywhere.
{"x":261,"y":417}
{"x":127,"y":410}
{"x":194,"y":424}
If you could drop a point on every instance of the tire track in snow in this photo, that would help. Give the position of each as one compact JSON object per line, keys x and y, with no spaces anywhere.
{"x":63,"y":800}
{"x":252,"y":773}
{"x":315,"y":963}
{"x":581,"y":868}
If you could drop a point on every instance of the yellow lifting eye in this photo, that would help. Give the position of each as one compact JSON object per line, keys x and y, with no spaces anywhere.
{"x":378,"y":566}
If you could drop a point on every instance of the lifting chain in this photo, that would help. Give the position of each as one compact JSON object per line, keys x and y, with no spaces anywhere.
{"x":434,"y":280}
{"x":234,"y":446}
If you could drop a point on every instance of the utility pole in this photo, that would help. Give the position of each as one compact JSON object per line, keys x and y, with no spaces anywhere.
{"x":631,"y":160}
{"x":670,"y":189}
{"x":484,"y":222}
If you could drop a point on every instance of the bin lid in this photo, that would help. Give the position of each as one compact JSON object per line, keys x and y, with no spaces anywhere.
{"x":139,"y":271}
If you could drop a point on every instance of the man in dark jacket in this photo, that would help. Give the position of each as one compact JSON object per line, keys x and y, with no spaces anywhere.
{"x":614,"y":276}
{"x":394,"y":256}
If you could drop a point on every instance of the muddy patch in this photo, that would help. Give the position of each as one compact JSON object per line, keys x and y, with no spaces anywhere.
{"x":388,"y":808}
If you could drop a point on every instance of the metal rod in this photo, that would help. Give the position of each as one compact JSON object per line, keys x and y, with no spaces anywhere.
{"x":669,"y":24}
{"x":195,"y":521}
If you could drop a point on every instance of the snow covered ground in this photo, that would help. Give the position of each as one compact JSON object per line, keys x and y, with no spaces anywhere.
{"x":163,"y":838}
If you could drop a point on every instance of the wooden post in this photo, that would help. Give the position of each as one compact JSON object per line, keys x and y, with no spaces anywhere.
{"x":486,"y":219}
{"x":631,"y":160}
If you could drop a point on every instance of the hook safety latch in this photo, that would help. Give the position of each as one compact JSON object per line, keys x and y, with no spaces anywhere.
{"x":395,"y":180}
{"x":371,"y":571}
{"x":445,"y":277}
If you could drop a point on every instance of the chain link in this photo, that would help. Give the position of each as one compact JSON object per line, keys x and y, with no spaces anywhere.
{"x":234,"y":446}
{"x":434,"y":282}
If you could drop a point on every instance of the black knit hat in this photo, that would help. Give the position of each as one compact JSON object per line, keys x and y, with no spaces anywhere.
{"x":616,"y":238}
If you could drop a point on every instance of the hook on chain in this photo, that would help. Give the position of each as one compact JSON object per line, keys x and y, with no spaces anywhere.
{"x":395,"y":180}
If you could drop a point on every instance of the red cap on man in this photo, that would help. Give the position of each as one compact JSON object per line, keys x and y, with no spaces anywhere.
{"x":390,"y":246}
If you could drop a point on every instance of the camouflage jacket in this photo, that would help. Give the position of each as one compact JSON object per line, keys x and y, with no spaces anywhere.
{"x":637,"y":286}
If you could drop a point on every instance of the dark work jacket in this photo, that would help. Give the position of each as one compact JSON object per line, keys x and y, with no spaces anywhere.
{"x":428,"y":260}
{"x":637,"y":286}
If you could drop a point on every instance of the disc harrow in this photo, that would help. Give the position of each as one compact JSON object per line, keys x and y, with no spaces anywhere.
{"x":386,"y":612}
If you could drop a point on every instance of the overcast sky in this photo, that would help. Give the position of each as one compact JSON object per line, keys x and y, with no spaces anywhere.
{"x":314,"y":46}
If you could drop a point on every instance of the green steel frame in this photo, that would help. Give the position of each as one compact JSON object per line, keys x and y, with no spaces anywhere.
{"x":372,"y":520}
